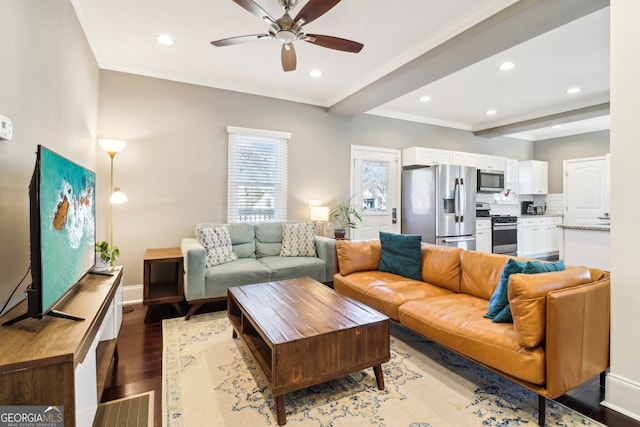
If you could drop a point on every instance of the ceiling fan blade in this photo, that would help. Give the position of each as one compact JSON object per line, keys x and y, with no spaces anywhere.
{"x":288,"y":55}
{"x":240,"y":39}
{"x":254,"y":8}
{"x":314,"y":9}
{"x":334,"y":43}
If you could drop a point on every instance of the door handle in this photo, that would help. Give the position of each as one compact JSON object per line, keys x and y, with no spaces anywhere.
{"x":394,"y":217}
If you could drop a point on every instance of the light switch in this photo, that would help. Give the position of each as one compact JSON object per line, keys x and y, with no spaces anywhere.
{"x":6,"y":128}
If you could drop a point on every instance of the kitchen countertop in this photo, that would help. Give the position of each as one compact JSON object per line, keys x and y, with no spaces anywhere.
{"x":593,"y":227}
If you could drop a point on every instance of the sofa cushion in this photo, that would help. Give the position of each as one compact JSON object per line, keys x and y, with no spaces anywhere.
{"x":268,"y":238}
{"x":243,"y":237}
{"x":481,"y":273}
{"x":457,"y":321}
{"x":527,"y":300}
{"x":499,"y":300}
{"x":357,"y":255}
{"x":441,"y":266}
{"x":217,"y":245}
{"x":243,"y":271}
{"x":292,"y":267}
{"x":298,"y":239}
{"x":400,"y":254}
{"x":385,"y":292}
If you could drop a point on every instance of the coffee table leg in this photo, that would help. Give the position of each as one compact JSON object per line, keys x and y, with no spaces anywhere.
{"x":379,"y":378}
{"x":280,"y":411}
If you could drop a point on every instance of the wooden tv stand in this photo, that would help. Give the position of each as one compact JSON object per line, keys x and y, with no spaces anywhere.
{"x":60,"y":362}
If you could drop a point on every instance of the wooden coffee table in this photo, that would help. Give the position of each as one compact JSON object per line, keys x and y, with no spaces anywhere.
{"x":303,"y":333}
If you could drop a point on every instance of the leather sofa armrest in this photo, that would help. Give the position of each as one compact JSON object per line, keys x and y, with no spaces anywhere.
{"x":194,"y":268}
{"x":577,"y":335}
{"x":326,"y":249}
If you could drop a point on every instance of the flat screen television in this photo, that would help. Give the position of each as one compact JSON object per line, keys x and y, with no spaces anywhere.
{"x":62,"y":228}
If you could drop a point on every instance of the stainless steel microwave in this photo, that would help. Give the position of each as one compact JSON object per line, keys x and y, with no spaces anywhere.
{"x":490,"y":181}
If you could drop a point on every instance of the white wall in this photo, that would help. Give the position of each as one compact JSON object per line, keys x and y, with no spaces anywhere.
{"x":623,"y":381}
{"x":49,"y":88}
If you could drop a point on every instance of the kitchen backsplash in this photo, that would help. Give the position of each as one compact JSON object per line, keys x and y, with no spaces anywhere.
{"x":501,"y":205}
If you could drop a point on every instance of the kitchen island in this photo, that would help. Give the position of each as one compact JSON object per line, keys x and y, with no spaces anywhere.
{"x":586,"y":244}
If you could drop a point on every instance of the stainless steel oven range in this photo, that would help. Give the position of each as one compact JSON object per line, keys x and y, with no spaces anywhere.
{"x":504,"y":234}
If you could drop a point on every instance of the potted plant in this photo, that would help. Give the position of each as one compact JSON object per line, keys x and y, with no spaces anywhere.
{"x":107,"y":255}
{"x":345,"y":215}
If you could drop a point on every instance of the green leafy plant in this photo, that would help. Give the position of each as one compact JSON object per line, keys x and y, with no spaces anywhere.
{"x":345,"y":215}
{"x":108,"y":254}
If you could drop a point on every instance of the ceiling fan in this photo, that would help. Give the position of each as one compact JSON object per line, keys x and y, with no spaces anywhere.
{"x":287,"y":30}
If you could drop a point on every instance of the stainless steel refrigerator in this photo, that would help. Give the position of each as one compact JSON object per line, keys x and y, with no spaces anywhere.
{"x":438,"y":203}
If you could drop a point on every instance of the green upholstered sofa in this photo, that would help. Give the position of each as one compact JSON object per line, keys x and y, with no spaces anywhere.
{"x":258,"y":249}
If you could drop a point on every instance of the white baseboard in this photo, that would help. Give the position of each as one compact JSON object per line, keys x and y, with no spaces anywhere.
{"x":622,"y":396}
{"x":132,"y":294}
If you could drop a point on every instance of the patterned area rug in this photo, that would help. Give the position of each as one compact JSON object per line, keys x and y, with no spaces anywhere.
{"x":209,"y":378}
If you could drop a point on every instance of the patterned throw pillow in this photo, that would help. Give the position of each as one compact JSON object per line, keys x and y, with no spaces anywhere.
{"x":217,"y":245}
{"x":298,"y":239}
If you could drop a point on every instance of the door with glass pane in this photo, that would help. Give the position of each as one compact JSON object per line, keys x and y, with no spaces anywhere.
{"x":375,"y":190}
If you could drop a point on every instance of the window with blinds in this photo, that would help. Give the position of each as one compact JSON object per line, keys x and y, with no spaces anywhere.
{"x":257,"y":175}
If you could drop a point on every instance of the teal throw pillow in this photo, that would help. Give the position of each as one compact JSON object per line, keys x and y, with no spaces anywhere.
{"x":499,"y":300}
{"x":401,"y":254}
{"x":533,"y":267}
{"x":530,"y":267}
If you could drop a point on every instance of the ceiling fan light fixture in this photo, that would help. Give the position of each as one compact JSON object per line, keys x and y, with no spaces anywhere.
{"x":286,"y":37}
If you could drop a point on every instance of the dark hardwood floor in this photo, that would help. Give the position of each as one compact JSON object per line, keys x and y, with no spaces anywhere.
{"x":139,"y":368}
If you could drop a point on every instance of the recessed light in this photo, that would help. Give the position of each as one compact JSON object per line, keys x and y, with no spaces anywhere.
{"x":556,"y":126}
{"x":165,"y":40}
{"x":491,"y":112}
{"x":506,"y":66}
{"x":573,"y":90}
{"x":315,"y":73}
{"x":425,"y":98}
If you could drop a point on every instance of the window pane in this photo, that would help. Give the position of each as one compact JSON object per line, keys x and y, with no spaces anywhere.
{"x":375,"y":178}
{"x":257,"y":186}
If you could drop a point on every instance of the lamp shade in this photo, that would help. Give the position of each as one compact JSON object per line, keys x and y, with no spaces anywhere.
{"x":319,"y":213}
{"x":118,"y":197}
{"x":112,"y":145}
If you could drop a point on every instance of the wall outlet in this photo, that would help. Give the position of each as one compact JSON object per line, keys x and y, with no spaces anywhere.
{"x":6,"y":128}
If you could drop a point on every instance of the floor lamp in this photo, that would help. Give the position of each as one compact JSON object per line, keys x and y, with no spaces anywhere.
{"x":113,"y":147}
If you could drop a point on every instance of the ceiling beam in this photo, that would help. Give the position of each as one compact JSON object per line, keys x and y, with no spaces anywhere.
{"x":585,"y":113}
{"x":513,"y":25}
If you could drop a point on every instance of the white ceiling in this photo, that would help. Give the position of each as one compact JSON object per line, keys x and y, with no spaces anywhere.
{"x":396,"y":35}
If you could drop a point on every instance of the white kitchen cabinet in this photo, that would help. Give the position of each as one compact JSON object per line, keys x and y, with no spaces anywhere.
{"x":538,"y":236}
{"x":511,"y":176}
{"x":554,"y":233}
{"x":494,"y":163}
{"x":533,"y":177}
{"x":422,"y":156}
{"x":464,"y":159}
{"x":483,"y":235}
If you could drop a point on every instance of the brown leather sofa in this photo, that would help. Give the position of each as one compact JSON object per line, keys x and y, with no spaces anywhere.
{"x":559,"y":337}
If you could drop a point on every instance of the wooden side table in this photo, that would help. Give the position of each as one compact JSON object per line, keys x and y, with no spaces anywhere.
{"x":166,"y":291}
